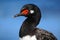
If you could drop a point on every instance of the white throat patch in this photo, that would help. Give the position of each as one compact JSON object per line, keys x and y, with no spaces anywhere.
{"x":28,"y":37}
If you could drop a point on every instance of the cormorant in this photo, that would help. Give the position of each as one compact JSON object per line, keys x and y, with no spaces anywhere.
{"x":29,"y":30}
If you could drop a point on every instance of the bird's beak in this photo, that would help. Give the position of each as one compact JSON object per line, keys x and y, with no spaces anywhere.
{"x":23,"y":13}
{"x":17,"y":15}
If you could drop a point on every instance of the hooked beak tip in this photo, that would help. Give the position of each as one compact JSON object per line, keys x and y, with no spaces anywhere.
{"x":16,"y":15}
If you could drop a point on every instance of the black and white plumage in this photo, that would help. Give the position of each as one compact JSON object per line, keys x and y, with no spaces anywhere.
{"x":29,"y":30}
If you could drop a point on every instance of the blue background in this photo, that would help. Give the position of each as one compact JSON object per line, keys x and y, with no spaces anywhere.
{"x":9,"y":26}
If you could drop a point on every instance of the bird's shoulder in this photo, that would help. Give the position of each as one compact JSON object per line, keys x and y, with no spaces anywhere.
{"x":44,"y":35}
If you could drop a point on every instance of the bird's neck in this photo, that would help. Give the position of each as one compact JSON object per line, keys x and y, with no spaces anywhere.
{"x":29,"y":25}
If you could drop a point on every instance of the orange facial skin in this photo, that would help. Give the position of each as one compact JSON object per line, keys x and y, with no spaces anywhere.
{"x":25,"y":12}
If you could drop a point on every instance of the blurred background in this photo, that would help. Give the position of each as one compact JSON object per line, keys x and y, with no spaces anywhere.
{"x":9,"y":26}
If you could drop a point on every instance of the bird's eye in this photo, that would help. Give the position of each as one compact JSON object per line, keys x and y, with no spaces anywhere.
{"x":31,"y":11}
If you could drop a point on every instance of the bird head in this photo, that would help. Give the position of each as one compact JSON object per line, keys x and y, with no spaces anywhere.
{"x":28,"y":10}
